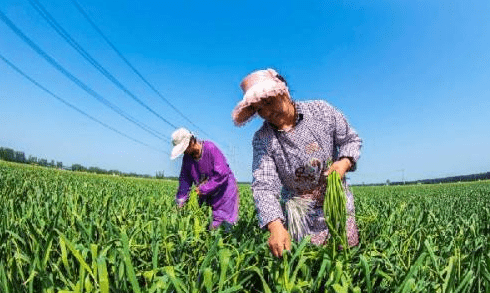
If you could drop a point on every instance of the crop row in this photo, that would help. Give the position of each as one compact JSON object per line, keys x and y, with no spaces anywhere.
{"x":76,"y":232}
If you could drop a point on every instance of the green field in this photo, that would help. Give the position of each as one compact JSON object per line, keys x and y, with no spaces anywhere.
{"x":63,"y":231}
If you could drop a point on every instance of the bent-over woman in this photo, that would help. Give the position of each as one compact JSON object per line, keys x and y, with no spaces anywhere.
{"x":290,"y":155}
{"x":205,"y":166}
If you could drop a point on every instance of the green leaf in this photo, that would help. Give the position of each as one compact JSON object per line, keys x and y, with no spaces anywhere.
{"x":128,"y":263}
{"x":75,"y":253}
{"x":224,"y":259}
{"x":103,"y":276}
{"x":367,"y":272}
{"x":208,"y":279}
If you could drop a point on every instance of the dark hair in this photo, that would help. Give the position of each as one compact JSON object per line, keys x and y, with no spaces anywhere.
{"x":282,"y":79}
{"x":193,"y":140}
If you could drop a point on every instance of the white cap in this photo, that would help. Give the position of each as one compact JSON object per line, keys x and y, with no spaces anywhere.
{"x":180,"y":140}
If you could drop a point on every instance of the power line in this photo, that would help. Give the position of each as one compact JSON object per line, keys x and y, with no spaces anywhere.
{"x":132,"y":67}
{"x":74,"y":107}
{"x":86,"y":88}
{"x":52,"y":22}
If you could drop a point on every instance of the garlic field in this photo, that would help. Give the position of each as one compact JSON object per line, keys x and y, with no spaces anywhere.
{"x":63,"y":231}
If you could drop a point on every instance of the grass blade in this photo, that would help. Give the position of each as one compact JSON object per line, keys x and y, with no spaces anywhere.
{"x":128,"y":263}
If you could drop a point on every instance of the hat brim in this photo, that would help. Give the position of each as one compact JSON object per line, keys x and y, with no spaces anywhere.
{"x":243,"y":112}
{"x":180,"y":148}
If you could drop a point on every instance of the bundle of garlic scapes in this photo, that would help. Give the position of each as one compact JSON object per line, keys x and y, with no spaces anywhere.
{"x":334,"y":206}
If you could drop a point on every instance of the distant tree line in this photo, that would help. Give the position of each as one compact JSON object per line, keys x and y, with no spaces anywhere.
{"x":459,"y":178}
{"x":10,"y":155}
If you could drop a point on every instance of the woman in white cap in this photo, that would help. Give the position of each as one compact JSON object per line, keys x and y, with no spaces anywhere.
{"x":205,"y":166}
{"x":291,"y":152}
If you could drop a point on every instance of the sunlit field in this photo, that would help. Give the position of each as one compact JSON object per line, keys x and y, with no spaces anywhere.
{"x":63,"y":231}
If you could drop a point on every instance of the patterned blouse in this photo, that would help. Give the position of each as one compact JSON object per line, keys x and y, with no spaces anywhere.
{"x":290,"y":164}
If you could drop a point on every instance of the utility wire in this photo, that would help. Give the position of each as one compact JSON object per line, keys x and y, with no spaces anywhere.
{"x":86,"y":88}
{"x":74,"y":107}
{"x":132,"y":67}
{"x":52,"y":22}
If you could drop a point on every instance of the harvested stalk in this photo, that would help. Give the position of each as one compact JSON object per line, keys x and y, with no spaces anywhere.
{"x":334,"y":206}
{"x":298,"y":210}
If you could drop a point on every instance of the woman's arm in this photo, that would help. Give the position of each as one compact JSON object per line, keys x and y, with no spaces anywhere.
{"x":185,"y":183}
{"x":220,"y":172}
{"x":348,"y":142}
{"x":266,"y":187}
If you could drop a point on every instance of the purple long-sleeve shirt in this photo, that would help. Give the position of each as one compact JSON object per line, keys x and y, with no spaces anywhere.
{"x":215,"y":181}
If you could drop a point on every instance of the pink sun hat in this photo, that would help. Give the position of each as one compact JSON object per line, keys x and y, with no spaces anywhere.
{"x":257,"y":86}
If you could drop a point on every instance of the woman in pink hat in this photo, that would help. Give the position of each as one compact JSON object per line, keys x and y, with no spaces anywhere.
{"x":205,"y":166}
{"x":291,"y":152}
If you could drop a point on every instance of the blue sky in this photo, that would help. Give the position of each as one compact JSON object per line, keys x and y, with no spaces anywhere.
{"x":410,"y":76}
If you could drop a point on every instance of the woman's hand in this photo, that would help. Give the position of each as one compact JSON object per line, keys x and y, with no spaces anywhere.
{"x":340,"y":166}
{"x":198,"y":191}
{"x":279,"y":239}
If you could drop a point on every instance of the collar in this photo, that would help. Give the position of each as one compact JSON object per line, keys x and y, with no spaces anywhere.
{"x":299,"y":112}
